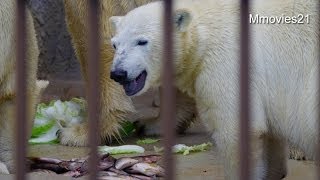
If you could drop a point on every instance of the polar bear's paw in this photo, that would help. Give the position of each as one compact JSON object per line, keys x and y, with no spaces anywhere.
{"x":296,"y":154}
{"x":76,"y":135}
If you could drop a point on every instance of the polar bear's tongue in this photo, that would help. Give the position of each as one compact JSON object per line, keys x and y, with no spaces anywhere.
{"x":134,"y":86}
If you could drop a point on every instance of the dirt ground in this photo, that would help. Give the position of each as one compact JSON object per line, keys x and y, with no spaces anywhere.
{"x":202,"y":165}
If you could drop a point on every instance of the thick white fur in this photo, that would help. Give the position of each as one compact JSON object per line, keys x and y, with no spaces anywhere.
{"x":284,"y":73}
{"x":8,"y":45}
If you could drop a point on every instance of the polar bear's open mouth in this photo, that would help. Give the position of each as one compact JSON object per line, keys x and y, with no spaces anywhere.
{"x":134,"y":86}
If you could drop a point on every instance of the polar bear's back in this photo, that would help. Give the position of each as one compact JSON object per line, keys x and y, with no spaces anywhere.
{"x":288,"y":53}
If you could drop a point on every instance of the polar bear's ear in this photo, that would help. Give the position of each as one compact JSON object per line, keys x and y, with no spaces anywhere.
{"x":182,"y":19}
{"x":114,"y":22}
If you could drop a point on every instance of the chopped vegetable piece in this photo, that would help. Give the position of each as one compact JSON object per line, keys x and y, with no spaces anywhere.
{"x":147,"y":141}
{"x":184,"y":149}
{"x":39,"y":130}
{"x":125,"y":149}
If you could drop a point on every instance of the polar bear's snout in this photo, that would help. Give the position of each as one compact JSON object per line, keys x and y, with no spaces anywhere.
{"x":119,"y":75}
{"x":131,"y":85}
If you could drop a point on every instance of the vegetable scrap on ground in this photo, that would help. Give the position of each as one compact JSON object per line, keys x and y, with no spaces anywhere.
{"x":57,"y":115}
{"x":147,"y":141}
{"x":124,"y":149}
{"x":60,"y":114}
{"x":135,"y":168}
{"x":185,"y":150}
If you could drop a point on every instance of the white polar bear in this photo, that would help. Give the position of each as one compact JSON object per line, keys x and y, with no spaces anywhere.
{"x":8,"y":46}
{"x":284,"y":73}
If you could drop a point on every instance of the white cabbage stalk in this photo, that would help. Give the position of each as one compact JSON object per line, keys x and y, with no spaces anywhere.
{"x":125,"y":149}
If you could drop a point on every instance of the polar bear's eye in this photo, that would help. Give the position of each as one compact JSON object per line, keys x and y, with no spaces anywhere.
{"x":142,"y":42}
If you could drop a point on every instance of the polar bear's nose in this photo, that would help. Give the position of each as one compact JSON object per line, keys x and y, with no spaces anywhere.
{"x":119,"y":75}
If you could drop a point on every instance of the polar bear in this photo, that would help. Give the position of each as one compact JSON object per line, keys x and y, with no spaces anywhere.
{"x":284,"y":73}
{"x":8,"y":57}
{"x":115,"y":105}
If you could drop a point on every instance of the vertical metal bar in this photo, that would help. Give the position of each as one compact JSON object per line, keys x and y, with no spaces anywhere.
{"x":318,"y":141}
{"x":244,"y":92}
{"x":21,"y":89}
{"x":168,"y":96}
{"x":93,"y":85}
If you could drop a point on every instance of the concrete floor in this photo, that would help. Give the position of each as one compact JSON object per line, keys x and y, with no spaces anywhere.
{"x":202,"y":165}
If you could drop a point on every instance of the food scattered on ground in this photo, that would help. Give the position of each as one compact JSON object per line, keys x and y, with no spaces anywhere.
{"x":139,"y":167}
{"x":185,"y":150}
{"x":124,"y":149}
{"x":125,"y":162}
{"x":147,"y":141}
{"x":58,"y":114}
{"x":146,"y":169}
{"x":148,"y":159}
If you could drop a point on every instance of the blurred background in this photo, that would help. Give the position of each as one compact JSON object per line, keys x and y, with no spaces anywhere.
{"x":57,"y":60}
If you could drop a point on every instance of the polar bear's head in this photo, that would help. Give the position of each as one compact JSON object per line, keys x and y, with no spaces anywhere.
{"x":138,"y":44}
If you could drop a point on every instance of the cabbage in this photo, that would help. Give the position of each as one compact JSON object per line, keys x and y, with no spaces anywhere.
{"x":125,"y":149}
{"x":147,"y":141}
{"x":184,"y":149}
{"x":52,"y":117}
{"x":49,"y":118}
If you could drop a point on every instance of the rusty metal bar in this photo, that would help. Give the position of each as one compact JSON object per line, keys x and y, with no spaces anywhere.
{"x":244,"y":91}
{"x":168,"y":96}
{"x":93,"y":95}
{"x":318,"y":141}
{"x":21,"y":89}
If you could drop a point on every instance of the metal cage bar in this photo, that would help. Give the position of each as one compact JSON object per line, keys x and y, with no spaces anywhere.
{"x":93,"y":95}
{"x":21,"y":89}
{"x":244,"y":91}
{"x":168,"y":96}
{"x":318,"y":147}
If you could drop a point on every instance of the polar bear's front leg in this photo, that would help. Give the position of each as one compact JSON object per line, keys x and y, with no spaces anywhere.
{"x":228,"y":148}
{"x":228,"y":151}
{"x":275,"y":155}
{"x":268,"y":156}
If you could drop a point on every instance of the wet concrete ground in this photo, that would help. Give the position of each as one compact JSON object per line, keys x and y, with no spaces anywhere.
{"x":201,"y":165}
